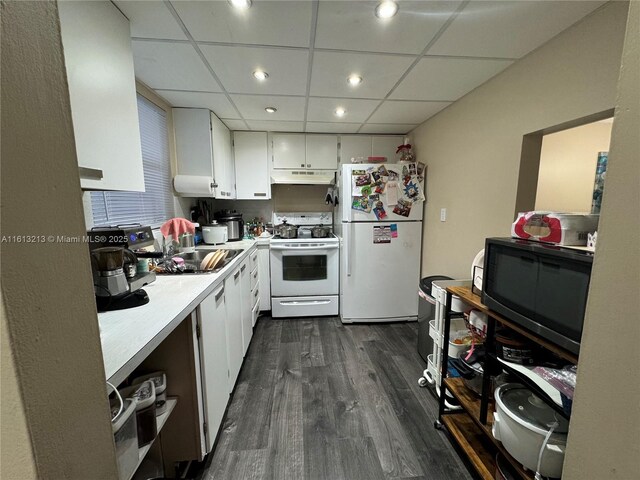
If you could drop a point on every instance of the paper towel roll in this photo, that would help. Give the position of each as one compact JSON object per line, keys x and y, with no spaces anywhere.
{"x":193,"y":185}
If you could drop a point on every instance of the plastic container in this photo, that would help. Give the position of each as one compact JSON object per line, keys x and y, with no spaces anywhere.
{"x":125,"y":435}
{"x":159,"y":380}
{"x":426,"y":312}
{"x":144,"y":396}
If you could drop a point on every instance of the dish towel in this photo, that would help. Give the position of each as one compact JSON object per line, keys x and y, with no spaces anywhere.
{"x":328,"y":199}
{"x":176,"y":227}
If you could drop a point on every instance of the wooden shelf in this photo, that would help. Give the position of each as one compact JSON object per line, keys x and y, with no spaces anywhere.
{"x":474,"y":444}
{"x":160,"y":421}
{"x":471,"y":404}
{"x":475,"y":301}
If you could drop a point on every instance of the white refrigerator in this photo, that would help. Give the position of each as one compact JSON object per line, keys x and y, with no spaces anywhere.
{"x":380,"y":258}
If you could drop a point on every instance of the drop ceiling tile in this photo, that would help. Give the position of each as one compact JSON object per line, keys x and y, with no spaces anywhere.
{"x":324,"y":127}
{"x":234,"y":124}
{"x":216,"y":102}
{"x":354,"y":26}
{"x":406,"y":112}
{"x":265,"y":23}
{"x":379,"y":72}
{"x":508,"y":29}
{"x":446,"y":78}
{"x":234,"y":66}
{"x":151,"y":19}
{"x":252,"y":107}
{"x":384,"y":128}
{"x":322,"y":109}
{"x":171,"y":66}
{"x":275,"y":126}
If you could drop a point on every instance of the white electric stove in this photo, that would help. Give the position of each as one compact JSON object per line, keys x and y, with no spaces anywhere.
{"x":304,"y":270}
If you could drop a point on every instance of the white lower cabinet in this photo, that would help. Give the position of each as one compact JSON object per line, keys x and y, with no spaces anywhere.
{"x":235,"y":352}
{"x":246,"y":305}
{"x":264,"y":275}
{"x":214,"y":369}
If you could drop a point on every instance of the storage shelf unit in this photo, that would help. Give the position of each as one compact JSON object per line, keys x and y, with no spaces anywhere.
{"x":160,"y":421}
{"x":470,"y":427}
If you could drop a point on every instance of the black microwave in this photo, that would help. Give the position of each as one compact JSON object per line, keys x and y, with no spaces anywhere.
{"x":538,"y":286}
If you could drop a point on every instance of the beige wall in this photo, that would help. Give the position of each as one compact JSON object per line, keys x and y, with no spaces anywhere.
{"x":604,"y":438}
{"x":51,"y":324}
{"x":473,"y":147}
{"x":568,"y":166}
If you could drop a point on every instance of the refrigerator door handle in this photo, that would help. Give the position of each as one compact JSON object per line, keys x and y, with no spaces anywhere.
{"x":347,"y":248}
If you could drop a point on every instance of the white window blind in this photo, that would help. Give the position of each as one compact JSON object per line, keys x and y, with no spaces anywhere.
{"x":155,"y":205}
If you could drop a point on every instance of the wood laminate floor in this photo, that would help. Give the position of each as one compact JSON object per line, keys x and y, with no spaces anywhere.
{"x":320,"y":400}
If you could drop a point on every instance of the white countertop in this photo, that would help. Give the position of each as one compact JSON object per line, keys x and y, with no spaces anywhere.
{"x":129,"y":336}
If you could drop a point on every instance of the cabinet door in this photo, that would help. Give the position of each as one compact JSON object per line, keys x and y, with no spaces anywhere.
{"x":194,"y":147}
{"x":213,"y":361}
{"x":222,"y":159}
{"x":264,"y":278}
{"x":386,"y":147}
{"x":97,"y":49}
{"x":246,"y":305}
{"x":251,"y":166}
{"x":322,"y":152}
{"x":289,"y":151}
{"x":233,"y":299}
{"x":353,"y":146}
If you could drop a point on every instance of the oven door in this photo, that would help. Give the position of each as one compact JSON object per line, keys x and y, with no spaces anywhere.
{"x":304,"y":269}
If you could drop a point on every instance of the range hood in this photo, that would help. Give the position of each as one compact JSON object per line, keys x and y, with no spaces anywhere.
{"x":302,"y":177}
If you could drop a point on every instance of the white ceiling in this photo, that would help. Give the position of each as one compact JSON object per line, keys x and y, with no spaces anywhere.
{"x":203,"y":53}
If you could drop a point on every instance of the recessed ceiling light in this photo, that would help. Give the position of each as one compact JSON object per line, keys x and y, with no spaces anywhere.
{"x":271,"y":109}
{"x":260,"y":75}
{"x":354,"y":80}
{"x":386,"y":9}
{"x":340,"y":112}
{"x":240,"y":4}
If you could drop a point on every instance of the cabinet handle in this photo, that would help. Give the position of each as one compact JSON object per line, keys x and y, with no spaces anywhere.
{"x":243,"y":268}
{"x":219,"y":294}
{"x":260,"y":194}
{"x":255,"y":257}
{"x":308,"y":165}
{"x":255,"y":294}
{"x":92,"y":173}
{"x":255,"y":275}
{"x":236,"y":275}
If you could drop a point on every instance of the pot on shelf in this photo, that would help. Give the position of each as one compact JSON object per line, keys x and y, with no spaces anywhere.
{"x":522,"y":421}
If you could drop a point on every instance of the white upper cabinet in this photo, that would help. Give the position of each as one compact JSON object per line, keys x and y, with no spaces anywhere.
{"x":386,"y":146}
{"x":353,"y":146}
{"x":289,"y":151}
{"x":203,"y":148}
{"x":223,"y":168}
{"x":322,"y":152}
{"x":102,"y":91}
{"x":295,"y":151}
{"x":251,"y":166}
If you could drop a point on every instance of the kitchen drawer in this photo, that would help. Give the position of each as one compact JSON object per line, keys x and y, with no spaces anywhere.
{"x":256,"y":310}
{"x":254,"y":278}
{"x":255,"y":293}
{"x":253,"y":258}
{"x":284,"y":307}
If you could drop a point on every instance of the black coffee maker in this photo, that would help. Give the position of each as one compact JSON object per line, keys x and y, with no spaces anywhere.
{"x":117,"y":282}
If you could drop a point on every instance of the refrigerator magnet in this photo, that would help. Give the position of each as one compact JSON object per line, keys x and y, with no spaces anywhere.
{"x":403,"y":208}
{"x":381,"y":234}
{"x":379,"y":210}
{"x":393,"y":228}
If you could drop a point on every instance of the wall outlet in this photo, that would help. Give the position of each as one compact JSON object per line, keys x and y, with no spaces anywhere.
{"x":443,"y":214}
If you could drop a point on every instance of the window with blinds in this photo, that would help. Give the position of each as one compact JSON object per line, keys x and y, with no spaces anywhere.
{"x":155,"y":205}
